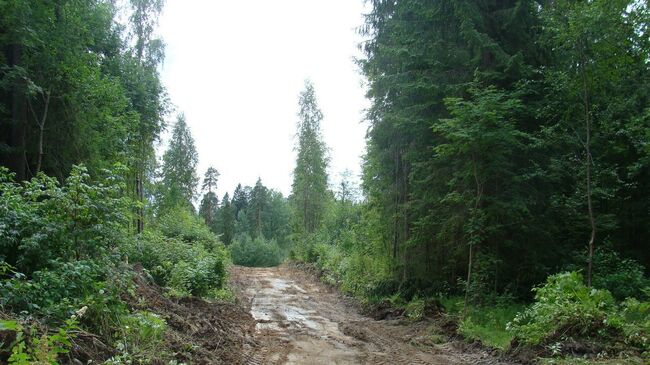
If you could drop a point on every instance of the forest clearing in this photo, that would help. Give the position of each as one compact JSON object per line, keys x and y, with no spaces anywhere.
{"x":325,"y":182}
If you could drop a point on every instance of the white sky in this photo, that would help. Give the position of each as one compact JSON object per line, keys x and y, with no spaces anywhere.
{"x":235,"y":68}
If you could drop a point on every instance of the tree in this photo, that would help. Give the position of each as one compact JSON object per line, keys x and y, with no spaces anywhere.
{"x":210,"y":202}
{"x":347,"y":190}
{"x":149,"y":99}
{"x":417,"y":55}
{"x":309,"y":189}
{"x":257,"y":208}
{"x":598,"y":79}
{"x":276,"y":225}
{"x":226,"y":220}
{"x":239,"y":199}
{"x":481,"y":141}
{"x":179,"y":180}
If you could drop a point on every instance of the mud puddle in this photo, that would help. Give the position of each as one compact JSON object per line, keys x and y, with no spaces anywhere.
{"x":301,"y":321}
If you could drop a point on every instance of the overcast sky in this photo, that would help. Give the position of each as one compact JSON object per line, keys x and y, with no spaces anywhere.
{"x":235,"y":68}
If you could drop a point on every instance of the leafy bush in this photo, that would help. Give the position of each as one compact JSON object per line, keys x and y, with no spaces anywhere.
{"x":187,"y":267}
{"x":623,"y":277}
{"x":56,"y":294}
{"x":200,"y":276}
{"x":565,"y":308}
{"x":141,"y":332}
{"x":180,"y":223}
{"x":41,"y":221}
{"x":256,"y":252}
{"x":35,"y":348}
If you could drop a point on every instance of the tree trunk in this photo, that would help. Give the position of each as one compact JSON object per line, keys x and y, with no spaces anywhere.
{"x":469,"y":277}
{"x":41,"y":129}
{"x":18,"y":158}
{"x":477,"y":204}
{"x":587,"y":147}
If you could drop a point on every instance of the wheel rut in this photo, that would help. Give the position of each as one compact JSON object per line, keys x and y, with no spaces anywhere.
{"x":302,"y":321}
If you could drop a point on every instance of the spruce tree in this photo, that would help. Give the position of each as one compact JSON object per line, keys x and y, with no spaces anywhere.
{"x":226,"y":220}
{"x":310,"y":174}
{"x":210,"y":202}
{"x":257,"y":208}
{"x":239,"y":199}
{"x":179,"y":180}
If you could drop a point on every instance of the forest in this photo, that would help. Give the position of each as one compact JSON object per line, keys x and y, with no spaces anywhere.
{"x":505,"y":183}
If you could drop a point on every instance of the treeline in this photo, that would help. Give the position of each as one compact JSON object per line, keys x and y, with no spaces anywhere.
{"x":78,"y":86}
{"x":82,"y":195}
{"x":507,"y":144}
{"x":507,"y":140}
{"x":254,"y":223}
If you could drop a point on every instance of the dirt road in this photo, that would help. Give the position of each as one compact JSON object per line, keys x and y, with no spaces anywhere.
{"x":301,"y":321}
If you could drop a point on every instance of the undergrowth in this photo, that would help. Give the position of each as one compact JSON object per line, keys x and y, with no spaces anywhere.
{"x":66,"y":256}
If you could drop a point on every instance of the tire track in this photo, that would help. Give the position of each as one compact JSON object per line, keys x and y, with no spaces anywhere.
{"x":301,"y":321}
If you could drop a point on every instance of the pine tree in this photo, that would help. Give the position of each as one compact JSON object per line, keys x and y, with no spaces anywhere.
{"x":310,"y":174}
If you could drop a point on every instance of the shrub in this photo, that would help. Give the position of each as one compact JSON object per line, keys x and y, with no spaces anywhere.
{"x":623,"y":277}
{"x":188,"y":268}
{"x":182,"y":224}
{"x":38,"y":348}
{"x":488,"y":323}
{"x":256,"y":252}
{"x":141,"y":332}
{"x":563,"y":304}
{"x":41,"y":220}
{"x":56,"y":294}
{"x":204,"y":273}
{"x":565,"y":309}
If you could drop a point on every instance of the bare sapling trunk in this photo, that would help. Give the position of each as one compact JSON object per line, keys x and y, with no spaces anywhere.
{"x":40,"y":122}
{"x":477,"y":204}
{"x":588,"y":163}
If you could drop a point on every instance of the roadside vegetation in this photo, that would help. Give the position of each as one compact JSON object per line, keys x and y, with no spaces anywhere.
{"x":505,"y":189}
{"x":99,"y":242}
{"x":502,"y":185}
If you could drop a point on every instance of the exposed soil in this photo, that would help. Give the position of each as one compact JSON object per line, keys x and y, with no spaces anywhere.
{"x":200,"y":332}
{"x":299,"y":320}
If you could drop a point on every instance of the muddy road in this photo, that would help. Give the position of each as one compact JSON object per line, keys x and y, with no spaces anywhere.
{"x":301,"y":321}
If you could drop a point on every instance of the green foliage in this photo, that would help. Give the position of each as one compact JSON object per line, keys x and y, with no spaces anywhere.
{"x":478,"y":138}
{"x":141,"y":333}
{"x":41,"y":220}
{"x":256,"y":252}
{"x":622,"y":277}
{"x":179,"y":180}
{"x":182,"y":224}
{"x":488,"y":324}
{"x":414,"y":309}
{"x":309,"y":188}
{"x":200,"y":275}
{"x":225,"y":220}
{"x":39,"y":349}
{"x":188,"y":267}
{"x":564,"y":302}
{"x":208,"y":209}
{"x":565,"y":308}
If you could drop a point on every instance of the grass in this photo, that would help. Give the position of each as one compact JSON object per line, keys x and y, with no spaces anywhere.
{"x":484,"y":323}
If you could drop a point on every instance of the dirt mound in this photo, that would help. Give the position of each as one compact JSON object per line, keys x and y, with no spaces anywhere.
{"x":199,"y":332}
